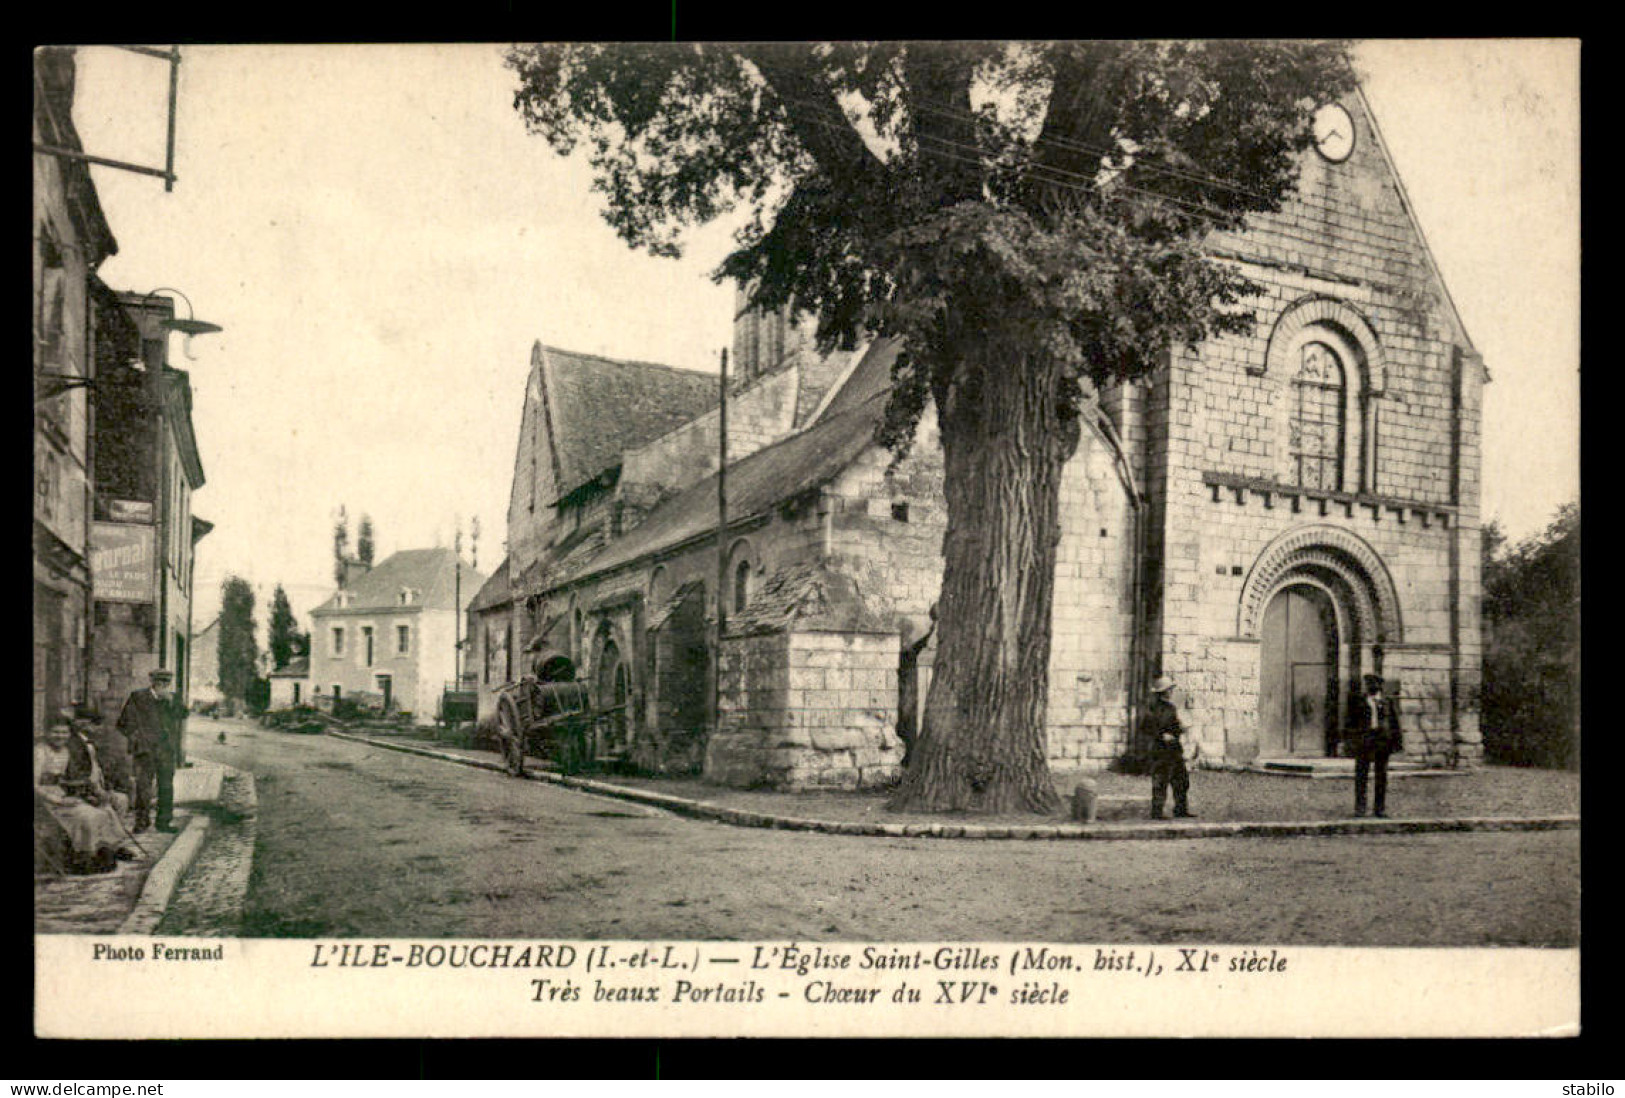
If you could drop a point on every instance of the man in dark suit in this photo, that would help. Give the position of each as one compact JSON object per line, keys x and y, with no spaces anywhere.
{"x":1374,"y":733}
{"x":151,"y":725}
{"x":1162,"y":728}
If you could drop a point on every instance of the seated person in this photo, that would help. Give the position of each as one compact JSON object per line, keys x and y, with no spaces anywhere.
{"x":68,"y":783}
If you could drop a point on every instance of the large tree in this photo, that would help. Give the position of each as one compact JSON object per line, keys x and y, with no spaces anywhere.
{"x":239,"y":651}
{"x":284,"y":636}
{"x":1028,"y":219}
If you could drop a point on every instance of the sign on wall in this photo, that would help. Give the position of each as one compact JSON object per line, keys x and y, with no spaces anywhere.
{"x":129,"y":510}
{"x":121,"y":562}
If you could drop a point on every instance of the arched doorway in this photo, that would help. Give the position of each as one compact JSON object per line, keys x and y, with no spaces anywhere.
{"x":1298,"y":675}
{"x":612,"y":699}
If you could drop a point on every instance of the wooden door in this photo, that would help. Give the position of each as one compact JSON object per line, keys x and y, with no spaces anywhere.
{"x":1298,"y":675}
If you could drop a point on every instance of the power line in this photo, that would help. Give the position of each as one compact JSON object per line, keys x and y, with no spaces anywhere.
{"x":1047,"y":173}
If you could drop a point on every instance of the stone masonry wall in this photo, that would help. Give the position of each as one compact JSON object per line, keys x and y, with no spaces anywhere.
{"x":805,"y":710}
{"x":897,"y":567}
{"x":1343,"y":253}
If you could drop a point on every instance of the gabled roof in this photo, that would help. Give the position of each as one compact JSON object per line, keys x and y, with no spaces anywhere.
{"x":601,"y":407}
{"x":498,"y":590}
{"x":1460,"y":328}
{"x":430,"y":572}
{"x":756,"y":484}
{"x":869,"y":378}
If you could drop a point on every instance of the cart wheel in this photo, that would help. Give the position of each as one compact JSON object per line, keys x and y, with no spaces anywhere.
{"x":513,"y":740}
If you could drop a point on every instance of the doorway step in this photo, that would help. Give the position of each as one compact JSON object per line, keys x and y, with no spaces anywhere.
{"x":1327,"y":767}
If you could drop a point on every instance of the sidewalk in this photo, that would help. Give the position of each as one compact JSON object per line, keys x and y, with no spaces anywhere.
{"x":133,"y":897}
{"x":1229,"y":804}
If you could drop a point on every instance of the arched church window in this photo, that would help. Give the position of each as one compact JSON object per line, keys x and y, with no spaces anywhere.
{"x":741,"y":585}
{"x":1316,"y":439}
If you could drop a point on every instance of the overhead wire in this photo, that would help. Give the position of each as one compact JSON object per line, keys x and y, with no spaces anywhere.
{"x":1050,"y":174}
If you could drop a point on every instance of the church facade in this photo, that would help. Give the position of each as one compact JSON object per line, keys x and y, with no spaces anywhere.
{"x":1263,"y":518}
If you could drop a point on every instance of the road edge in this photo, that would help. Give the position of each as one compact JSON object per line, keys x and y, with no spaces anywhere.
{"x":1171,"y":829}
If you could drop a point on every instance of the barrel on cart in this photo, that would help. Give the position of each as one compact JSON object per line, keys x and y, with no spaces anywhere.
{"x":547,"y":715}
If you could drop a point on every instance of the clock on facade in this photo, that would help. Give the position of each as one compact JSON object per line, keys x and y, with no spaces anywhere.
{"x":1334,"y":133}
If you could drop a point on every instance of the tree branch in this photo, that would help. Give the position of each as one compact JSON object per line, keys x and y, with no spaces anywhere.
{"x":814,"y":114}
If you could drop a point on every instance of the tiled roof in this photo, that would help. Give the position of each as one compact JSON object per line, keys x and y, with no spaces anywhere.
{"x":296,"y":669}
{"x":869,"y":378}
{"x":497,"y":590}
{"x":430,"y":572}
{"x":756,"y":484}
{"x":603,"y":407}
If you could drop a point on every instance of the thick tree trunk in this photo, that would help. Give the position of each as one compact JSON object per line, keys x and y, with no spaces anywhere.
{"x":1007,"y":432}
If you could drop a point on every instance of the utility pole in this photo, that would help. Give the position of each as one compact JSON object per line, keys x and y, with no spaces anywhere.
{"x":457,"y":601}
{"x":722,"y":540}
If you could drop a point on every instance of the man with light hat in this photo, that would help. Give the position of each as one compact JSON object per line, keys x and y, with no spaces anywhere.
{"x":1161,"y":727}
{"x":150,"y":724}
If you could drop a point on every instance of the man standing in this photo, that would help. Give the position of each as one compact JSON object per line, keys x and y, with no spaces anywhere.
{"x":1376,"y":735}
{"x":1161,"y":726}
{"x":149,"y":722}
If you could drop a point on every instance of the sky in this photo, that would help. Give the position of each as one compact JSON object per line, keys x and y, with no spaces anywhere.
{"x":383,"y":243}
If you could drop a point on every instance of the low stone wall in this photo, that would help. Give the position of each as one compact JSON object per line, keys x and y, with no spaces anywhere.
{"x":804,"y":710}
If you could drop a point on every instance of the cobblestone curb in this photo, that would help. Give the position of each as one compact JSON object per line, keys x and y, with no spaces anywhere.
{"x":210,"y":898}
{"x":1171,"y":829}
{"x":165,"y":877}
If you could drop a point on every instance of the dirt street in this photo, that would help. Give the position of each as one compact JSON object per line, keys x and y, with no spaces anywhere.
{"x":355,"y":840}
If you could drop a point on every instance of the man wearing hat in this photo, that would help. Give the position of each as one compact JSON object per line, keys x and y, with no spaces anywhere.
{"x":149,"y":722}
{"x":1161,"y":727}
{"x":1375,"y":735}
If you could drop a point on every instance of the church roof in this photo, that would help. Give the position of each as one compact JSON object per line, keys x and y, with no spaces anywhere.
{"x":601,"y":407}
{"x":497,"y":591}
{"x":756,"y":484}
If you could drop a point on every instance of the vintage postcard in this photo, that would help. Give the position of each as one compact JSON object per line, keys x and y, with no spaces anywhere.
{"x":792,"y":539}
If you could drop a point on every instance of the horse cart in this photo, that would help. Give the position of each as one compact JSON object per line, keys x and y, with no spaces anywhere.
{"x":547,"y":714}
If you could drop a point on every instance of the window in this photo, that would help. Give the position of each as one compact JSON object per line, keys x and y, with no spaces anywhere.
{"x":741,"y":585}
{"x":338,"y":640}
{"x":366,"y":637}
{"x":1316,"y":439}
{"x":403,"y":639}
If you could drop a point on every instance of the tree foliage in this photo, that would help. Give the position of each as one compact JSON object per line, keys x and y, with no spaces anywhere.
{"x":341,"y":546}
{"x":1029,"y":219}
{"x":239,"y":651}
{"x":1531,"y":695}
{"x":363,"y":541}
{"x":284,"y":636}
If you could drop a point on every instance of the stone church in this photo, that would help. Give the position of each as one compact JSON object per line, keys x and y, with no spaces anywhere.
{"x":1264,"y":519}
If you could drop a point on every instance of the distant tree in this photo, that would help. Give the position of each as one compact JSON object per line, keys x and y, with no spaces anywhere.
{"x":239,"y":652}
{"x":284,"y":630}
{"x":341,"y":545}
{"x":259,"y":696}
{"x":363,"y":541}
{"x":1531,"y":696}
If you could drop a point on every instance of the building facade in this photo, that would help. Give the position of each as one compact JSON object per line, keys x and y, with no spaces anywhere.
{"x":291,"y":685}
{"x":203,"y":658}
{"x":71,"y":239}
{"x":388,"y":638}
{"x":144,"y":533}
{"x":1263,"y":518}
